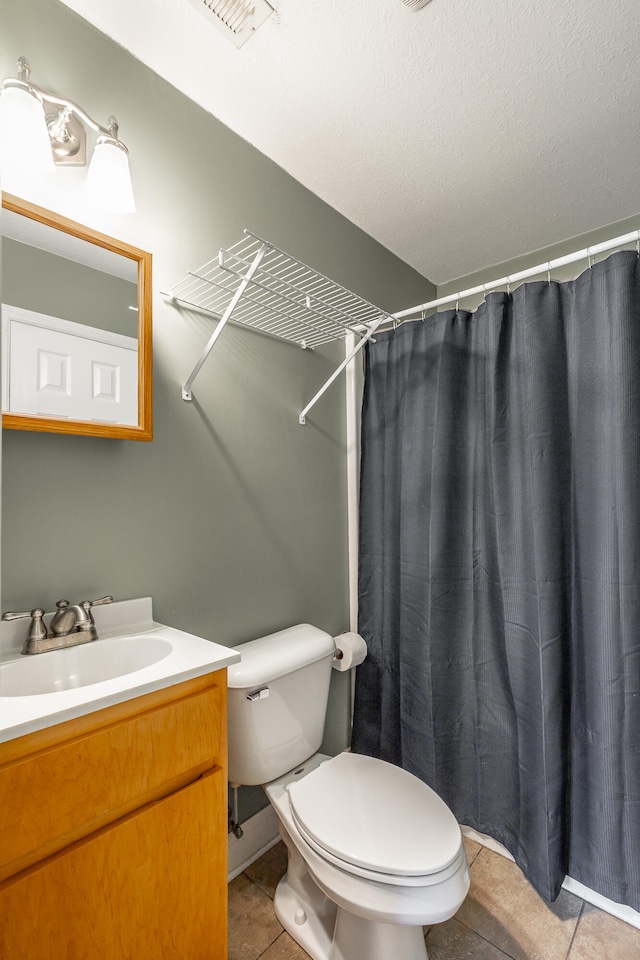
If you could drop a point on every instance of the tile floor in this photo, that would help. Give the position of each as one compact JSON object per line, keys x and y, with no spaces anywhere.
{"x":501,"y":919}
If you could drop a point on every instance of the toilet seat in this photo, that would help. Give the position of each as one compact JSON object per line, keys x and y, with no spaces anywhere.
{"x":377,"y":821}
{"x":426,"y":880}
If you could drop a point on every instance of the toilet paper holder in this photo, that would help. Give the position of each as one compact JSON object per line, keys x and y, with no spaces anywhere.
{"x":351,"y":650}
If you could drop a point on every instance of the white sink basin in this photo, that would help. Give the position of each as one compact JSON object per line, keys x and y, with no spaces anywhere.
{"x":134,"y":656}
{"x":81,"y":666}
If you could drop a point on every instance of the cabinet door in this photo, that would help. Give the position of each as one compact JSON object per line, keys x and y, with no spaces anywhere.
{"x":53,"y":796}
{"x":150,"y":886}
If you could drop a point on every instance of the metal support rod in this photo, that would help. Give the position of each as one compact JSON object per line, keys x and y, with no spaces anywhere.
{"x":186,"y":389}
{"x":358,"y":347}
{"x":234,"y":820}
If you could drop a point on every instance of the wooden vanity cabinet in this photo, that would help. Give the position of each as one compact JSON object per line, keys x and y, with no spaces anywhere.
{"x":113,"y":832}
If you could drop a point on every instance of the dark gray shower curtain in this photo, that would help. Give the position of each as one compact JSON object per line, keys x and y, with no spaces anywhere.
{"x":500,"y":570}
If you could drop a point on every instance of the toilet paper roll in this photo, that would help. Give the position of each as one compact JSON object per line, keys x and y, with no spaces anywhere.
{"x":351,"y":650}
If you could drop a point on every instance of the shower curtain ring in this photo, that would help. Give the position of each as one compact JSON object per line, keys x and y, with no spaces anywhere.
{"x":589,"y":257}
{"x":548,"y":274}
{"x":638,"y":244}
{"x":457,"y":305}
{"x":508,"y":286}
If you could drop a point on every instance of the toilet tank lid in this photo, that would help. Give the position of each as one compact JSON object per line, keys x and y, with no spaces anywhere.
{"x":277,"y":654}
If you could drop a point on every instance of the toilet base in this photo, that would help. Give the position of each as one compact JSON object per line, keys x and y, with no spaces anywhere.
{"x":328,"y":932}
{"x":313,"y":931}
{"x":354,"y":938}
{"x":302,"y":908}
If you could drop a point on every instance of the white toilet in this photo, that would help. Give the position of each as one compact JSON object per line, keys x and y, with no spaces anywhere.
{"x":374,"y":853}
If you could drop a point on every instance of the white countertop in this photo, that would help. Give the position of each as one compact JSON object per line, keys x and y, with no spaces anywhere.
{"x":190,"y":657}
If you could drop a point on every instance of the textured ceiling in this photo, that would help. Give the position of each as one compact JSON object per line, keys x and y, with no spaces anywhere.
{"x":459,"y":136}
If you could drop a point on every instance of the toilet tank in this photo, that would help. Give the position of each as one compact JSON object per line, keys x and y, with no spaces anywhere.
{"x":278,"y":696}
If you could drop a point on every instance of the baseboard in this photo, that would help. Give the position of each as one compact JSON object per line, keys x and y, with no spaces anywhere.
{"x":619,"y":910}
{"x":259,"y":834}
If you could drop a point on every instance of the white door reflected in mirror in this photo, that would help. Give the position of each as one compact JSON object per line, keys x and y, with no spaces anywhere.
{"x":55,"y":368}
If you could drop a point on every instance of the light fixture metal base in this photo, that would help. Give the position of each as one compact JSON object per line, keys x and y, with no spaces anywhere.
{"x":68,"y":140}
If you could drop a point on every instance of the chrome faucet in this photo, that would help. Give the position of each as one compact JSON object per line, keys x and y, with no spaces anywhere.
{"x":70,"y":625}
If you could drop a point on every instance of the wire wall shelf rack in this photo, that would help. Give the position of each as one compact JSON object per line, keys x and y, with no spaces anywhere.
{"x":256,"y":284}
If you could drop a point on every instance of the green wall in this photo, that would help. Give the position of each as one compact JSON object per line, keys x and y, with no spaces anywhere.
{"x":234,"y":518}
{"x":38,"y":280}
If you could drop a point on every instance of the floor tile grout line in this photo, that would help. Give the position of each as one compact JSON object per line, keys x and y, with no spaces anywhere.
{"x":264,"y":893}
{"x":262,"y":889}
{"x":486,"y":940}
{"x":269,"y":945}
{"x":575,"y":929}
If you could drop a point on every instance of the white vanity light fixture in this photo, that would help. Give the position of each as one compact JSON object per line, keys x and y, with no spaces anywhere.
{"x":108,"y":179}
{"x":23,"y":123}
{"x":36,"y":141}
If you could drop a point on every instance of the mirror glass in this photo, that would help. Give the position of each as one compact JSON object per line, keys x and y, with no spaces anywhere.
{"x":76,"y":328}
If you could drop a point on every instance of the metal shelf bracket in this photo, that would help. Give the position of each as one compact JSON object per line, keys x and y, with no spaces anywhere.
{"x":358,"y":347}
{"x":224,"y":319}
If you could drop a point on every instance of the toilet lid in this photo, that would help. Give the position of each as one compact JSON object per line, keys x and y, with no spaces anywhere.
{"x":375,"y":815}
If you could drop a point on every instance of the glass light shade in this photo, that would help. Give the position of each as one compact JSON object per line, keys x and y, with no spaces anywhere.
{"x":24,"y":138}
{"x":108,"y":179}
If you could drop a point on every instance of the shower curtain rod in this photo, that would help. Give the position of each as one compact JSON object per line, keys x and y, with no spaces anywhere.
{"x":547,"y":267}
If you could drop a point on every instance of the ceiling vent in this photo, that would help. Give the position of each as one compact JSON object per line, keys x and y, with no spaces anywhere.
{"x":415,"y":4}
{"x":236,"y":19}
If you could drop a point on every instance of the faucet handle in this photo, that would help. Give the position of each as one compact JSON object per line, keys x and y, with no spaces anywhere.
{"x":96,"y":603}
{"x":37,"y":629}
{"x":87,"y":604}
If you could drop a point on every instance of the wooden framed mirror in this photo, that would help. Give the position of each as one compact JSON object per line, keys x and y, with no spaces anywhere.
{"x":76,"y":328}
